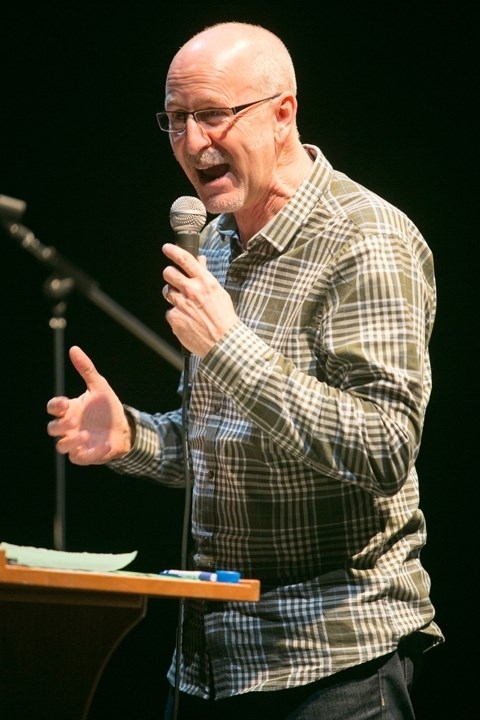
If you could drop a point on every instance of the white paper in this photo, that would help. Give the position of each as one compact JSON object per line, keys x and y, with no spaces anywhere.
{"x":65,"y":560}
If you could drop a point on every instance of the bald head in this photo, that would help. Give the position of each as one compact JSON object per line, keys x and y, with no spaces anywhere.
{"x":232,"y":90}
{"x":256,"y":57}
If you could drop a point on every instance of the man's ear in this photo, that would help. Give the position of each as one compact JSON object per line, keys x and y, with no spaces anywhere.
{"x":286,"y":114}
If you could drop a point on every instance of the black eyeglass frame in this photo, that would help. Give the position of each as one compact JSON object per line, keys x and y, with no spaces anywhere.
{"x":232,"y":112}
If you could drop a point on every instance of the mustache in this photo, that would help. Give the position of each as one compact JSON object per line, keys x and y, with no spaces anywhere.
{"x":207,"y":158}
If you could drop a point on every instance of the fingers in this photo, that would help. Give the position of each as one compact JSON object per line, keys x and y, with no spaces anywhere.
{"x":95,"y":382}
{"x":86,"y":369}
{"x":184,"y":260}
{"x":57,"y":406}
{"x":82,"y":445}
{"x":91,"y":428}
{"x":64,"y":421}
{"x":81,"y":454}
{"x":188,"y":277}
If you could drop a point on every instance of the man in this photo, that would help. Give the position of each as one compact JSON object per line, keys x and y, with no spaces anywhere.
{"x":307,"y":315}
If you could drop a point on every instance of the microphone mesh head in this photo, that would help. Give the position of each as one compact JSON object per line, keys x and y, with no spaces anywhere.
{"x":188,"y":214}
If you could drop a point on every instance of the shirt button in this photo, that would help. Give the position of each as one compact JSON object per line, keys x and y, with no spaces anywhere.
{"x":211,"y":474}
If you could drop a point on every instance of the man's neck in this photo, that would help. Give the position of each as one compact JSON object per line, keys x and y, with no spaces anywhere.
{"x":250,"y":221}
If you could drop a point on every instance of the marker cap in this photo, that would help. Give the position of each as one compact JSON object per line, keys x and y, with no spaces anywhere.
{"x":229,"y":576}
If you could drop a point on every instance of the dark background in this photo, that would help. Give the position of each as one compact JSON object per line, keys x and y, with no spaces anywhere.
{"x":385,"y":89}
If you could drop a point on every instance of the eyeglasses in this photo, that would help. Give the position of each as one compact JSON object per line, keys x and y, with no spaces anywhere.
{"x":208,"y":119}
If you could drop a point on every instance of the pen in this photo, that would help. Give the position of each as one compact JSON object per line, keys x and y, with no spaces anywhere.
{"x":230,"y":576}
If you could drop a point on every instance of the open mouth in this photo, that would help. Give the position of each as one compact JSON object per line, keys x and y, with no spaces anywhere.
{"x":213,"y":172}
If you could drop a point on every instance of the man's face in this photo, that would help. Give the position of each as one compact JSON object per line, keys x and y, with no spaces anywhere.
{"x":230,"y":165}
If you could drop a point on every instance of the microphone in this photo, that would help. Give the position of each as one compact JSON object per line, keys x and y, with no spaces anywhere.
{"x":187,"y":218}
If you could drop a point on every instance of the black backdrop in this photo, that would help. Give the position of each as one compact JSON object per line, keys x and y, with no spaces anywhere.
{"x":385,"y":89}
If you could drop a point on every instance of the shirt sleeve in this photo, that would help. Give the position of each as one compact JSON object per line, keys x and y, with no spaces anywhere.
{"x":359,"y":417}
{"x":157,"y":452}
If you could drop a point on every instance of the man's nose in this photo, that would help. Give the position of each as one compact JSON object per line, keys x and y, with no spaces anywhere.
{"x":196,"y":137}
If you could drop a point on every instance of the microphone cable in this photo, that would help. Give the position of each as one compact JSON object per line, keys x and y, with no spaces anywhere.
{"x":187,"y":387}
{"x":187,"y":218}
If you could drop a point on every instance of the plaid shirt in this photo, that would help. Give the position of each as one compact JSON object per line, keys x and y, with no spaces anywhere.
{"x":305,"y":421}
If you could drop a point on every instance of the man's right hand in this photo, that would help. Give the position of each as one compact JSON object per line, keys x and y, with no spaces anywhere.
{"x":91,"y":429}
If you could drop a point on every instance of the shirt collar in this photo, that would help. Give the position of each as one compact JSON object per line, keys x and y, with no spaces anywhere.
{"x":281,"y":228}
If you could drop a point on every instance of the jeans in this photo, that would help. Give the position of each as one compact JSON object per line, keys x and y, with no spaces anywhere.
{"x":376,"y":690}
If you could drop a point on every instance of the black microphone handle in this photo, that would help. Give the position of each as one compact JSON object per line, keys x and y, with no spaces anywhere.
{"x":188,"y":241}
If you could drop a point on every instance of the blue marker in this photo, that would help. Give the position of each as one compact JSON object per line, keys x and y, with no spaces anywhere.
{"x":229,"y":576}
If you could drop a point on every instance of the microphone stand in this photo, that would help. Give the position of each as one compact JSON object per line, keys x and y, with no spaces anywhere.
{"x":68,"y":276}
{"x":59,"y":288}
{"x":91,"y":290}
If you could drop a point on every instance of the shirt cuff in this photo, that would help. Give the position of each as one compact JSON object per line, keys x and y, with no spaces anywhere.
{"x":146,"y":444}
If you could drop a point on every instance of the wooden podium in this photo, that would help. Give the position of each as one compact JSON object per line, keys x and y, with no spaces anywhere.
{"x":58,"y":629}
